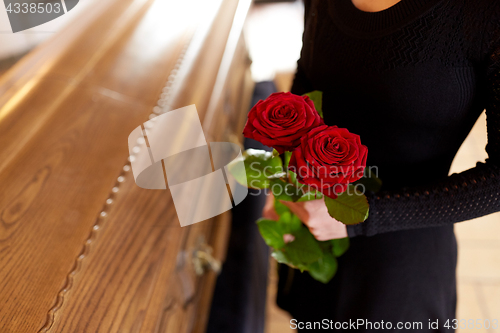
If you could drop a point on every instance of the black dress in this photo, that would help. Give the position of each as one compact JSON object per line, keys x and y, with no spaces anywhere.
{"x":411,"y":80}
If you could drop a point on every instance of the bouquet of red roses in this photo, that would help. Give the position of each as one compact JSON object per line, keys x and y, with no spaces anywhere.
{"x":310,"y":161}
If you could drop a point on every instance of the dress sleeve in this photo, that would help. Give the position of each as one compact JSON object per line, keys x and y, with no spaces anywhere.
{"x":459,"y":197}
{"x":301,"y":84}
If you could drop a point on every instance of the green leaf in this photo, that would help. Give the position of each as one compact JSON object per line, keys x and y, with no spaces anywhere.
{"x":311,"y":195}
{"x":349,"y":207}
{"x":304,"y":249}
{"x":259,"y":165}
{"x":283,"y":259}
{"x":280,"y":257}
{"x":289,"y":222}
{"x":340,"y":246}
{"x":326,"y":246}
{"x":308,"y":254}
{"x":272,"y":233}
{"x":280,"y":208}
{"x":317,"y":98}
{"x":292,"y":176}
{"x":295,"y":223}
{"x":288,"y":155}
{"x":283,"y":190}
{"x":324,"y":269}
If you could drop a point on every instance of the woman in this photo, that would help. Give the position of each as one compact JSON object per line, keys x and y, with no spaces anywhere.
{"x":411,"y":78}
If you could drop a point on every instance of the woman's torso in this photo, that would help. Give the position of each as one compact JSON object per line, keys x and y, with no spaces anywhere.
{"x":406,"y":79}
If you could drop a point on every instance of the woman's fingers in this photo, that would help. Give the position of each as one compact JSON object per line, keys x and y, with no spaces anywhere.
{"x":315,"y":215}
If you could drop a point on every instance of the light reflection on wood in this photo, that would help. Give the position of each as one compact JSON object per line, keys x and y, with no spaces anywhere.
{"x":66,"y":112}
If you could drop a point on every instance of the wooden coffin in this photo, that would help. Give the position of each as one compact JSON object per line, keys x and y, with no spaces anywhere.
{"x":82,"y":247}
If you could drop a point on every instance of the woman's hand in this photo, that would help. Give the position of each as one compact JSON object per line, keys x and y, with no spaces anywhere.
{"x":314,"y":214}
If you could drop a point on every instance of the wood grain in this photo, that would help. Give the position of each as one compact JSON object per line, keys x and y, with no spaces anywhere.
{"x":74,"y":255}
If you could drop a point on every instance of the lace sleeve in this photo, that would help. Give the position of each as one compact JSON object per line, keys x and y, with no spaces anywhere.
{"x":459,"y":197}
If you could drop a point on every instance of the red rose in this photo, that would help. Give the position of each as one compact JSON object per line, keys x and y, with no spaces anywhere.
{"x":281,"y":120}
{"x":328,"y":159}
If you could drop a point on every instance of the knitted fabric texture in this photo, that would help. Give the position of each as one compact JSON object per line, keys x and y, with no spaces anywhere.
{"x":446,"y":56}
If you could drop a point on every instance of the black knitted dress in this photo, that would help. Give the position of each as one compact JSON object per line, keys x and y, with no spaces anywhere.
{"x":411,"y":80}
